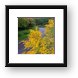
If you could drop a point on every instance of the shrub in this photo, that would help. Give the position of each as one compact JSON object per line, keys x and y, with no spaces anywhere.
{"x":39,"y":44}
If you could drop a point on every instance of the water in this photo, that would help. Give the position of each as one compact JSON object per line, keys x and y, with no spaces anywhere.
{"x":20,"y":47}
{"x":42,"y":31}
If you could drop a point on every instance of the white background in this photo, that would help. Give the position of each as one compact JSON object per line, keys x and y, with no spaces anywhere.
{"x":14,"y":57}
{"x":71,"y":71}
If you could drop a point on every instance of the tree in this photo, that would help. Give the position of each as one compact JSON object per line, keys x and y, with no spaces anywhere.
{"x":31,"y":22}
{"x":22,"y":23}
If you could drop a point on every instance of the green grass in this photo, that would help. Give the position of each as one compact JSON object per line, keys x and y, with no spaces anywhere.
{"x":23,"y":34}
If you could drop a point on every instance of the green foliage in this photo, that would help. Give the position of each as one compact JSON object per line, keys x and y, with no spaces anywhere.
{"x":23,"y":34}
{"x":27,"y":23}
{"x":22,"y":23}
{"x":41,"y":21}
{"x":31,"y":22}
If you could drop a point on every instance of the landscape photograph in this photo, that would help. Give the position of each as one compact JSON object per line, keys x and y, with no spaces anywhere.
{"x":36,"y":35}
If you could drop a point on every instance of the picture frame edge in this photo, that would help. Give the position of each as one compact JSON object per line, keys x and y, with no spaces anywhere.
{"x":7,"y":64}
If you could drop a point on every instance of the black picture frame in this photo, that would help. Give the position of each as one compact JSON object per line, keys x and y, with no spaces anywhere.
{"x":64,"y":7}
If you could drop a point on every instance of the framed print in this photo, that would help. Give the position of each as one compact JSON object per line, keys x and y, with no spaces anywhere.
{"x":36,"y":36}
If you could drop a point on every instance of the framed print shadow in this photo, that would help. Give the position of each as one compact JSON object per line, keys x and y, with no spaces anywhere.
{"x":36,"y":36}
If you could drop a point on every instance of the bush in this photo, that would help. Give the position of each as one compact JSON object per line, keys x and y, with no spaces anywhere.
{"x":38,"y":44}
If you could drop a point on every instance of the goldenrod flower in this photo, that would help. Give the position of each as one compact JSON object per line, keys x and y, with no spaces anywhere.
{"x":39,"y":44}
